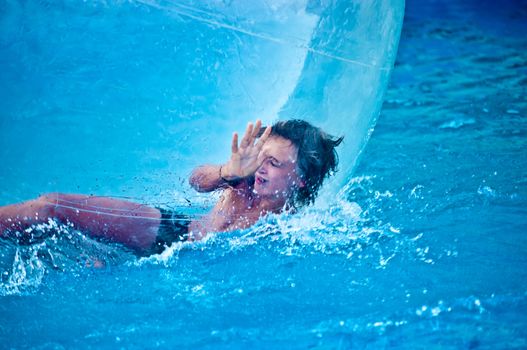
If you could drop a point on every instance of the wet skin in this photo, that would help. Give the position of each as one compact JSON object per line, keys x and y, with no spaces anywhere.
{"x":266,"y":168}
{"x":275,"y":179}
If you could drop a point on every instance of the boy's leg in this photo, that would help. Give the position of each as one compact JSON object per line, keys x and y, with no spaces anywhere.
{"x":132,"y":224}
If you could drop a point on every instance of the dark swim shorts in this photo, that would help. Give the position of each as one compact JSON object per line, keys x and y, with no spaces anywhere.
{"x":173,"y":228}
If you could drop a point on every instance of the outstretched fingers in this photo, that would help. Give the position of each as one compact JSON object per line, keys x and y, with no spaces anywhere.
{"x":234,"y":145}
{"x":256,"y":129}
{"x":247,"y":138}
{"x":251,"y":134}
{"x":264,"y":137}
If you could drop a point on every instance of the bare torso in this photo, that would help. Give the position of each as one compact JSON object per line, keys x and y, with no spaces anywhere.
{"x":236,"y":209}
{"x":267,"y":171}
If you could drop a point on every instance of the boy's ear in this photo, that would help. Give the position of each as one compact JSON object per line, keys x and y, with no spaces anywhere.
{"x":301,"y":183}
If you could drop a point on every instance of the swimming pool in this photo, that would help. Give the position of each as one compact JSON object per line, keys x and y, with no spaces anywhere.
{"x":427,"y":247}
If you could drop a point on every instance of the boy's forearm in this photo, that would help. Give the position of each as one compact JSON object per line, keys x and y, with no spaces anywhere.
{"x":207,"y":178}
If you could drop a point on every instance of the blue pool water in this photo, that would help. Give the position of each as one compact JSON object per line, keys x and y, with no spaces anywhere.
{"x":426,"y":246}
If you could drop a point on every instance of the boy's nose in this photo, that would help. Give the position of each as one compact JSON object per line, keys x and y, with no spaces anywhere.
{"x":263,"y":167}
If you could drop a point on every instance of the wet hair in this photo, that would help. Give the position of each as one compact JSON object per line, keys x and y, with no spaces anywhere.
{"x":317,"y":158}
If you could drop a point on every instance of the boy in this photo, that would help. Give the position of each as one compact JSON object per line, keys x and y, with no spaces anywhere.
{"x":269,"y":171}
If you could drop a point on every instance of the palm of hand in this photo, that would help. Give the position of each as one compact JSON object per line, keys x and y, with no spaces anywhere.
{"x":246,"y":158}
{"x":245,"y":161}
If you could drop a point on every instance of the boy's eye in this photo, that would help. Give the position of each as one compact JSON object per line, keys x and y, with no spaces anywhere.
{"x":275,"y":163}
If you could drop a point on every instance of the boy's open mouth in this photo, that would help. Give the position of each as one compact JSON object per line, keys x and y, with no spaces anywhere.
{"x":260,"y":180}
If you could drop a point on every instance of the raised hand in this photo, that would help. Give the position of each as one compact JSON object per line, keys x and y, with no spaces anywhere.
{"x":245,"y":158}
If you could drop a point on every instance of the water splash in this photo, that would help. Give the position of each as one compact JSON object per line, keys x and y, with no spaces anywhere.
{"x":343,"y":229}
{"x":26,"y":274}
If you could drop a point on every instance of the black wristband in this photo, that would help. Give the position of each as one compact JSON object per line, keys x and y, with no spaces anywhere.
{"x":221,"y":176}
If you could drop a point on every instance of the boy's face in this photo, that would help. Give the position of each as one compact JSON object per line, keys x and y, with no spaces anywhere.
{"x":277,"y":177}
